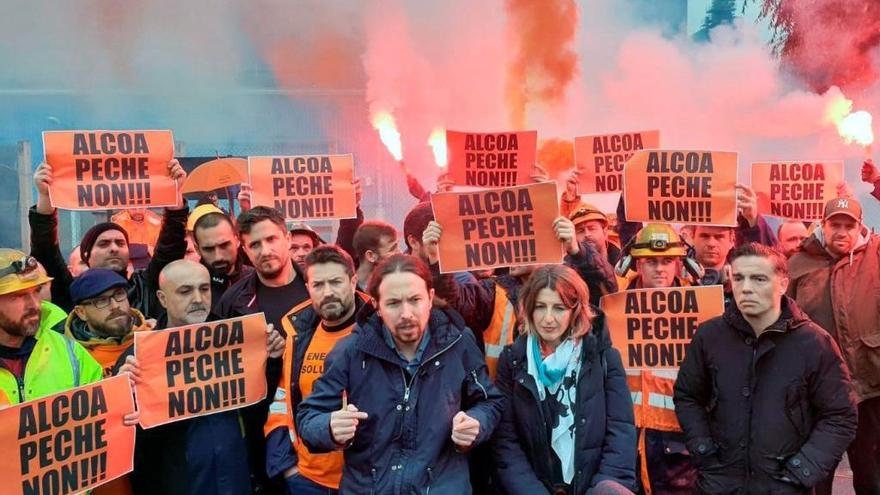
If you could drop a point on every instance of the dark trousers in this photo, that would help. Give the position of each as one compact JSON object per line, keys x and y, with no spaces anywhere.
{"x":300,"y":485}
{"x":863,"y":453}
{"x":669,"y":463}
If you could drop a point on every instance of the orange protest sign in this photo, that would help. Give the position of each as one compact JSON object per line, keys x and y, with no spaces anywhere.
{"x":696,"y":187}
{"x":652,"y":328}
{"x":304,"y":187}
{"x":600,"y":159}
{"x":98,"y":170}
{"x":796,"y":190}
{"x":61,"y":443}
{"x":200,"y":369}
{"x":497,"y":159}
{"x":497,"y":227}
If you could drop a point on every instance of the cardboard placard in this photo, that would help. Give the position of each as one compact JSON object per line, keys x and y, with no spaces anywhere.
{"x":652,"y":328}
{"x":681,"y":186}
{"x":201,"y":369}
{"x":796,"y":190}
{"x":600,"y":159}
{"x":496,"y":159}
{"x":99,"y":170}
{"x":62,"y":443}
{"x":304,"y":187}
{"x":497,"y":227}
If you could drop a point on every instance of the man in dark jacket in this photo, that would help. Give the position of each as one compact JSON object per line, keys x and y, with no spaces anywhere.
{"x":605,"y":436}
{"x":219,"y":248}
{"x":763,"y":395}
{"x":106,"y":246}
{"x":207,"y":454}
{"x":406,"y":395}
{"x":274,"y":288}
{"x":834,"y":279}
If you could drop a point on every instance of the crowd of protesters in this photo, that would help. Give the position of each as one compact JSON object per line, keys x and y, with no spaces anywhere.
{"x":386,"y":376}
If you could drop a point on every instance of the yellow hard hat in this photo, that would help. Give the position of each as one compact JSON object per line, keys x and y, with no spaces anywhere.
{"x":19,"y":271}
{"x":198,"y":212}
{"x":657,"y":239}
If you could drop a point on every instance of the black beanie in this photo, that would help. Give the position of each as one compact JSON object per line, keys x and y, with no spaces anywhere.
{"x":91,"y":235}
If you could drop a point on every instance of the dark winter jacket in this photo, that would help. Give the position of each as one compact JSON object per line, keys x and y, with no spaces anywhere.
{"x":220,"y":283}
{"x":842,"y":295}
{"x":605,"y":433}
{"x":241,"y":298}
{"x":205,"y":455}
{"x":765,"y":415}
{"x":405,"y":445}
{"x":142,"y":284}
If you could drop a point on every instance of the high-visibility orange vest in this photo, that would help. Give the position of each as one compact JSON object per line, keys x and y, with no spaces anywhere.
{"x":651,"y":393}
{"x":501,"y":330}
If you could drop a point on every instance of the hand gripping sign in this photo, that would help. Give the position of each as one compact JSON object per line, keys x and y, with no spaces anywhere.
{"x":677,"y":186}
{"x":304,"y":187}
{"x":497,"y":227}
{"x":796,"y":190}
{"x":99,"y":170}
{"x":200,"y":369}
{"x":600,"y":159}
{"x":496,"y":159}
{"x":62,"y":443}
{"x":652,"y":328}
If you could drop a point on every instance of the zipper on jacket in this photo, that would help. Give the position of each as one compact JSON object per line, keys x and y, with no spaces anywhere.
{"x":430,"y":481}
{"x":20,"y":381}
{"x":407,"y":384}
{"x":477,"y":381}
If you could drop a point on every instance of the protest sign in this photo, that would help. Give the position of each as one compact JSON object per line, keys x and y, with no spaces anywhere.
{"x":796,"y":190}
{"x":304,"y":187}
{"x":497,"y":227}
{"x":498,"y":159}
{"x":600,"y":159}
{"x":200,"y":369}
{"x":694,"y":187}
{"x":99,"y":170}
{"x":652,"y":328}
{"x":61,"y":443}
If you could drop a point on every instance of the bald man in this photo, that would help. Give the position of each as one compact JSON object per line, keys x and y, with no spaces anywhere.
{"x":207,"y":454}
{"x":791,"y":234}
{"x":185,"y":293}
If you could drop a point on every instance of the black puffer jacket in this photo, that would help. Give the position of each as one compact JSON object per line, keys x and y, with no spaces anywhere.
{"x":765,"y":415}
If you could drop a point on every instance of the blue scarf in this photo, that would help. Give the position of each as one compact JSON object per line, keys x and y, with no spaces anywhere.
{"x":551,"y":369}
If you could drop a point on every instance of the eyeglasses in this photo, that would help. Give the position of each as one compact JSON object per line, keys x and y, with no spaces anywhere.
{"x":104,"y":301}
{"x":24,"y":265}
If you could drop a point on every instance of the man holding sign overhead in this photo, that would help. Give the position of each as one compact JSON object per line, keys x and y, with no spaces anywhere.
{"x":106,"y":245}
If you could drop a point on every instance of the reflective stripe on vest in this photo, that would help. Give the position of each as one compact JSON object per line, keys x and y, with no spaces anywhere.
{"x":657,"y":386}
{"x":500,"y":331}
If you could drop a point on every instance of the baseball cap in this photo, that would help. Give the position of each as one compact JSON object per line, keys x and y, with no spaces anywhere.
{"x":843,"y":206}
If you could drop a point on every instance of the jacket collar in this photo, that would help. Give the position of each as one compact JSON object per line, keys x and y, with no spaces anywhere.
{"x":790,"y":319}
{"x":446,"y":328}
{"x":78,"y":330}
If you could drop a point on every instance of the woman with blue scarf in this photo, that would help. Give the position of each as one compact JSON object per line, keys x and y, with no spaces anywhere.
{"x":567,"y":426}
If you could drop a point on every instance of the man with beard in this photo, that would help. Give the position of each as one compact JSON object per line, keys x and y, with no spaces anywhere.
{"x":405,"y":395}
{"x":373,"y":241}
{"x":274,"y":287}
{"x":102,"y":319}
{"x":218,"y":245}
{"x":205,"y":454}
{"x":834,"y":281}
{"x":23,"y":337}
{"x":302,"y":240}
{"x":106,"y":245}
{"x":313,"y":329}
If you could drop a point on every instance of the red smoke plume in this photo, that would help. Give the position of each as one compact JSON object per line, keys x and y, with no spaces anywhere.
{"x":544,"y":62}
